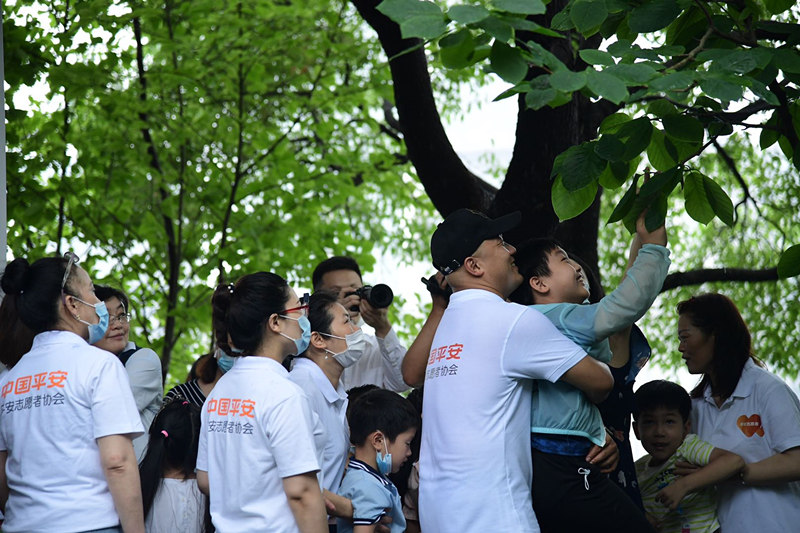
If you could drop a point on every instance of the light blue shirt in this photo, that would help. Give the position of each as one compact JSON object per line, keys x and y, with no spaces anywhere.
{"x":371,"y":494}
{"x":561,"y":409}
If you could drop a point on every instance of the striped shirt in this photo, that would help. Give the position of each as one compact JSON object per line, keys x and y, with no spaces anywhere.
{"x":698,"y":509}
{"x":189,"y":391}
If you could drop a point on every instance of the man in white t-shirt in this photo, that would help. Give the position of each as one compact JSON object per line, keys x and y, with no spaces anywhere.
{"x":475,"y":464}
{"x":383,"y":354}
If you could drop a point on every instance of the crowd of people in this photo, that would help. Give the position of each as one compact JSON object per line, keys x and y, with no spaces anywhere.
{"x":299,"y":420}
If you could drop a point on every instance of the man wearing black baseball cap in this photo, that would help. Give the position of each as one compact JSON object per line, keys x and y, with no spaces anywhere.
{"x":475,"y":465}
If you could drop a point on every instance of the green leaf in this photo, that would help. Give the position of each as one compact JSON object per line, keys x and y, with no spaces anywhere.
{"x":778,"y":6}
{"x":625,"y":204}
{"x":596,"y":57}
{"x":661,"y":108}
{"x":580,"y":166}
{"x":789,"y":263}
{"x":683,"y":128}
{"x":661,"y":184}
{"x":500,"y":30}
{"x":673,"y":80}
{"x":612,"y":123}
{"x":538,"y":98}
{"x":522,"y":7}
{"x":724,"y":90}
{"x":657,"y":153}
{"x":467,"y":14}
{"x":569,"y":204}
{"x":719,"y":200}
{"x":787,"y":60}
{"x":632,"y":74}
{"x":423,"y":26}
{"x":507,"y":62}
{"x":588,"y":15}
{"x":567,"y":80}
{"x":656,"y":213}
{"x":738,"y":61}
{"x":606,"y":85}
{"x":400,"y":10}
{"x":694,"y":193}
{"x":562,"y":21}
{"x":763,"y":92}
{"x":456,"y":50}
{"x":610,"y":148}
{"x":636,"y":135}
{"x":653,"y":15}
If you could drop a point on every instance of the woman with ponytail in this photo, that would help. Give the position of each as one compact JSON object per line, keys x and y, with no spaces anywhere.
{"x":170,"y":496}
{"x":67,"y":415}
{"x":257,"y":458}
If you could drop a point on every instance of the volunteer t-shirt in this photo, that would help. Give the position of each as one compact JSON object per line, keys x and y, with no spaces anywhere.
{"x":475,"y":463}
{"x":760,"y":419}
{"x":257,"y":429}
{"x":62,"y":396}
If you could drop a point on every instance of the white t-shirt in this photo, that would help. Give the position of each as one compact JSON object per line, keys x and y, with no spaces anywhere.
{"x":178,"y":506}
{"x":257,"y":428}
{"x":59,"y":398}
{"x":380,"y":364}
{"x":475,"y":462}
{"x":759,"y":420}
{"x":330,"y":405}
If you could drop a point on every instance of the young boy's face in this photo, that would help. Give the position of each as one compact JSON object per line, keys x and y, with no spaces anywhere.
{"x":400,"y":448}
{"x":661,"y":431}
{"x":565,"y":281}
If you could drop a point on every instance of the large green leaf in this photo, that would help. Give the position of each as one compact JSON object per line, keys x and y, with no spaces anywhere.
{"x":508,"y":62}
{"x":636,"y":136}
{"x":653,"y":15}
{"x":456,"y":50}
{"x":467,"y":14}
{"x":719,"y":200}
{"x":401,"y":10}
{"x":588,"y":15}
{"x":523,"y":7}
{"x":569,"y":204}
{"x":625,"y":204}
{"x":567,"y":80}
{"x":580,"y":166}
{"x":610,"y":148}
{"x":779,"y":6}
{"x":423,"y":26}
{"x":697,"y":203}
{"x":683,"y":128}
{"x":789,"y":263}
{"x":605,"y":85}
{"x":596,"y":57}
{"x":657,"y":153}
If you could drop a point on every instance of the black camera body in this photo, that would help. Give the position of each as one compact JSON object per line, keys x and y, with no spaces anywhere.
{"x":378,"y":296}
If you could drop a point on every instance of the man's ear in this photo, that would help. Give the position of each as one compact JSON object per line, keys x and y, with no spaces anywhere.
{"x":473,"y":266}
{"x":539,"y":285}
{"x":636,"y":430}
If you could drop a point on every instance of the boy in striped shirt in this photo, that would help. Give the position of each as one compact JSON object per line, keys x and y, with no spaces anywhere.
{"x":677,"y":503}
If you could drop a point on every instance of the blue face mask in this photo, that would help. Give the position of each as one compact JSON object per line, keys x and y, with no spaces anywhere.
{"x":96,"y":331}
{"x":302,"y":343}
{"x":224,"y":361}
{"x":384,"y":461}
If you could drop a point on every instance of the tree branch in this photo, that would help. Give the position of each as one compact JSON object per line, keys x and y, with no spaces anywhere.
{"x":448,"y":182}
{"x":705,"y":275}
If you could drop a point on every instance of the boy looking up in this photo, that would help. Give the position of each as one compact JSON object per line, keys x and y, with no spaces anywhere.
{"x":382,"y":426}
{"x":675,"y":504}
{"x":567,"y":431}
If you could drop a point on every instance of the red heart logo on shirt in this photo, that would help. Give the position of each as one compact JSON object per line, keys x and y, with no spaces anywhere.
{"x":750,"y":425}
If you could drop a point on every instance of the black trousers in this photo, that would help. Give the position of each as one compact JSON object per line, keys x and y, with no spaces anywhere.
{"x":571,"y":495}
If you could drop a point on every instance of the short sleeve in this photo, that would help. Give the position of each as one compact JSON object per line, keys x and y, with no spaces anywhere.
{"x":780,"y":415}
{"x":695,"y":450}
{"x":144,"y":373}
{"x":202,"y":445}
{"x":290,"y":429}
{"x":113,"y":408}
{"x":535,"y":349}
{"x":370,"y":500}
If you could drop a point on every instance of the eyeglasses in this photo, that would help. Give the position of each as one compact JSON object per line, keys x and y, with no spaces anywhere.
{"x":504,"y":244}
{"x":122,"y":318}
{"x":73,"y":259}
{"x":303,"y":307}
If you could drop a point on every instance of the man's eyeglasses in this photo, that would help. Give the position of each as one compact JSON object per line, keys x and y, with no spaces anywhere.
{"x":72,"y":259}
{"x":504,"y":244}
{"x":303,"y":307}
{"x":122,"y":318}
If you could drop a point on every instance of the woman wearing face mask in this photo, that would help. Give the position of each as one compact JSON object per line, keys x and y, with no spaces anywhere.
{"x":336,"y":343}
{"x":68,"y":416}
{"x":257,"y":457}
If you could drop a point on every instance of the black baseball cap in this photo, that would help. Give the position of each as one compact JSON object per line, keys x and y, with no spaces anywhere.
{"x":462,"y":232}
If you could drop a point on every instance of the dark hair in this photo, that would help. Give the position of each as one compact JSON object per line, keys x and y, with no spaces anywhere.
{"x":337,"y":262}
{"x":205,"y":368}
{"x":381,"y":410}
{"x":174,"y":437}
{"x":400,"y":478}
{"x":319,"y":310}
{"x":662,"y":393}
{"x":716,"y":314}
{"x":240,"y":310}
{"x":104,"y":292}
{"x":15,"y":337}
{"x":355,"y":393}
{"x":531,"y":260}
{"x":36,"y":289}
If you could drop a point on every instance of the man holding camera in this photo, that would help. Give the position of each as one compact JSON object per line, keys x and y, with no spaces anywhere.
{"x":383,"y":354}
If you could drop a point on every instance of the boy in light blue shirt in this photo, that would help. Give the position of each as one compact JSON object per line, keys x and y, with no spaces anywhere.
{"x":568,"y":492}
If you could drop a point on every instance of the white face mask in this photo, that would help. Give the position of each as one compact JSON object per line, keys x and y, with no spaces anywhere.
{"x":355,"y":348}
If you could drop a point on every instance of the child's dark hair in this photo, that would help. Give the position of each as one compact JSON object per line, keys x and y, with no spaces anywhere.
{"x":662,"y":393}
{"x":337,"y":262}
{"x":174,"y":437}
{"x":355,"y":393}
{"x":384,"y":411}
{"x":531,"y":260}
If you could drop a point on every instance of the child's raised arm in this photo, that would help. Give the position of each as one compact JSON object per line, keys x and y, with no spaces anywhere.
{"x":722,"y":464}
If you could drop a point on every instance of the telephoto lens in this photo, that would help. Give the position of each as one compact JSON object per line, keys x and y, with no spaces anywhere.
{"x":378,"y":296}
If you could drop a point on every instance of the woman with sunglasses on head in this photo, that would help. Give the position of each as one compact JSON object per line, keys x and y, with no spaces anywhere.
{"x":66,"y":424}
{"x":142,"y":364}
{"x":257,"y":457}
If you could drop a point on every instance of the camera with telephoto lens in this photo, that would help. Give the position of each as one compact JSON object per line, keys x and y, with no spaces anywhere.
{"x":378,"y":296}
